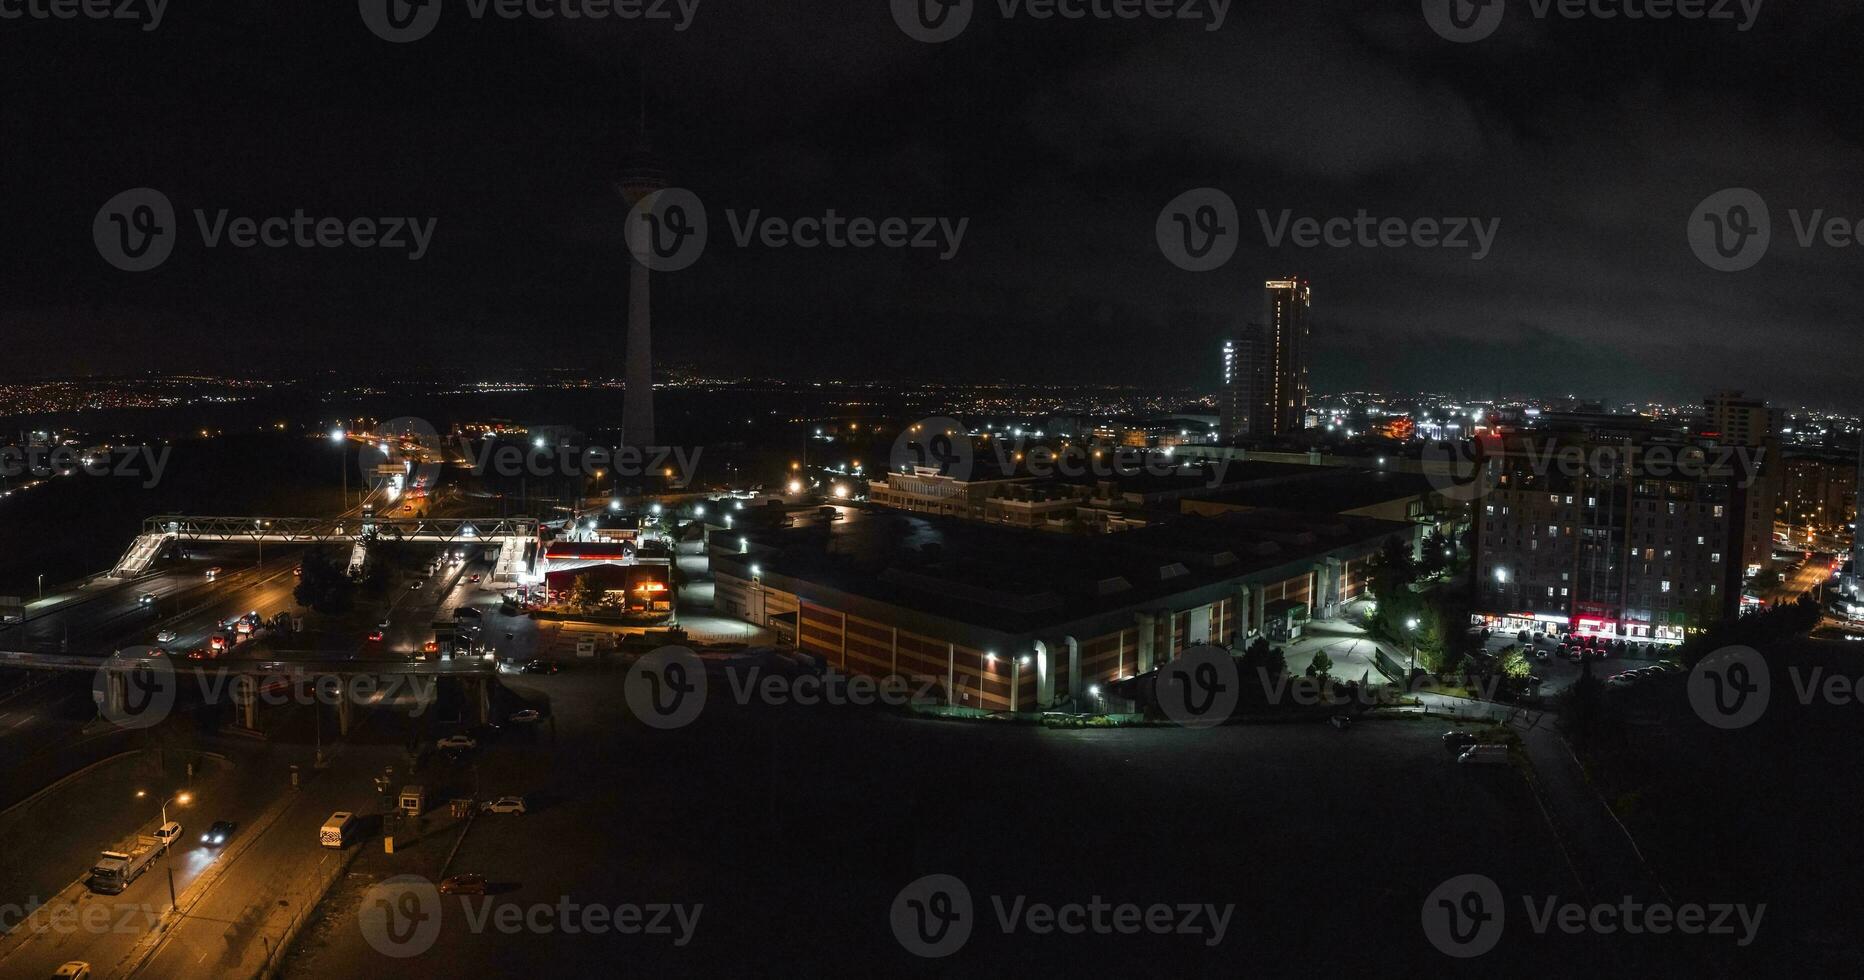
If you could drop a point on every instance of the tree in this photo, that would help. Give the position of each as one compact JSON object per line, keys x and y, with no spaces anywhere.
{"x":1262,"y":661}
{"x":324,"y":583}
{"x":585,"y":594}
{"x":1321,"y":667}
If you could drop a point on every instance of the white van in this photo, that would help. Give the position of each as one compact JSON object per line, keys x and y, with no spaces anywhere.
{"x":336,"y":830}
{"x":1484,"y":755}
{"x":168,"y":834}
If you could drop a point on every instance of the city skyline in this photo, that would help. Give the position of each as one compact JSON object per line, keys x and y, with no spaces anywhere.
{"x":1590,"y":283}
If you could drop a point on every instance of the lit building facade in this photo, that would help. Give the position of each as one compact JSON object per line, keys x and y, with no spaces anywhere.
{"x":1614,"y":546}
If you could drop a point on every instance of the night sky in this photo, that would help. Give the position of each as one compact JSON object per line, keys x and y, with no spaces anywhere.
{"x":1590,"y":140}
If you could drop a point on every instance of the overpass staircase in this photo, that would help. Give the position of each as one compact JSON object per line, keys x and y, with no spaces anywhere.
{"x":513,"y":562}
{"x":141,"y":554}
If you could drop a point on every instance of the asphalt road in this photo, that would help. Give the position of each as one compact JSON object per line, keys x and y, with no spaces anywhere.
{"x":796,"y":828}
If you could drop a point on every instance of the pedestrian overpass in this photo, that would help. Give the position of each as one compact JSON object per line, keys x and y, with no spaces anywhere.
{"x":515,"y":537}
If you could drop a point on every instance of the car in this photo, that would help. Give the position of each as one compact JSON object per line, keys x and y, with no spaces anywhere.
{"x":74,"y":970}
{"x":297,"y":571}
{"x":467,"y":612}
{"x":165,"y":636}
{"x":217,"y":642}
{"x":457,"y":742}
{"x":431,"y":646}
{"x":505,"y":804}
{"x":1456,"y":742}
{"x":1484,"y":755}
{"x":416,"y":584}
{"x":465,"y":884}
{"x":218,"y":833}
{"x":168,"y":834}
{"x":528,"y":716}
{"x":383,"y":625}
{"x":213,"y":573}
{"x":198,"y":653}
{"x":473,"y":578}
{"x":375,"y":637}
{"x":542,"y":667}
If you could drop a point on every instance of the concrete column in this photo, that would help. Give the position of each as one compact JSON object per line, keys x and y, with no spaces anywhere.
{"x":1258,"y":613}
{"x":483,"y":699}
{"x":951,"y":672}
{"x":1074,"y":667}
{"x":893,"y":665}
{"x":116,"y":693}
{"x":1147,"y":623}
{"x":345,"y":712}
{"x":1244,"y":606}
{"x":1045,"y":675}
{"x":246,"y":698}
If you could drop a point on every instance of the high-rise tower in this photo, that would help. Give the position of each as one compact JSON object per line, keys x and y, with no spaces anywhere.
{"x":641,"y":175}
{"x":1284,"y":336}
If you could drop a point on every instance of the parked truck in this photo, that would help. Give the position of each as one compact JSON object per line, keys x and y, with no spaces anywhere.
{"x":115,"y":869}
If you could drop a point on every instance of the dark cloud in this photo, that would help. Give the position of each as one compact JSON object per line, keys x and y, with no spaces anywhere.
{"x":1590,"y":142}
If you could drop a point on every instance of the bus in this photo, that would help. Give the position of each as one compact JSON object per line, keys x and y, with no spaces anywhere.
{"x":336,"y":830}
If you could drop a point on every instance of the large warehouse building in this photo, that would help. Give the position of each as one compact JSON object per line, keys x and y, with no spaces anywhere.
{"x":1009,"y":619}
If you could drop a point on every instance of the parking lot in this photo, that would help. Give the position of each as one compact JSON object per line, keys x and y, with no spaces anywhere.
{"x":795,"y":828}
